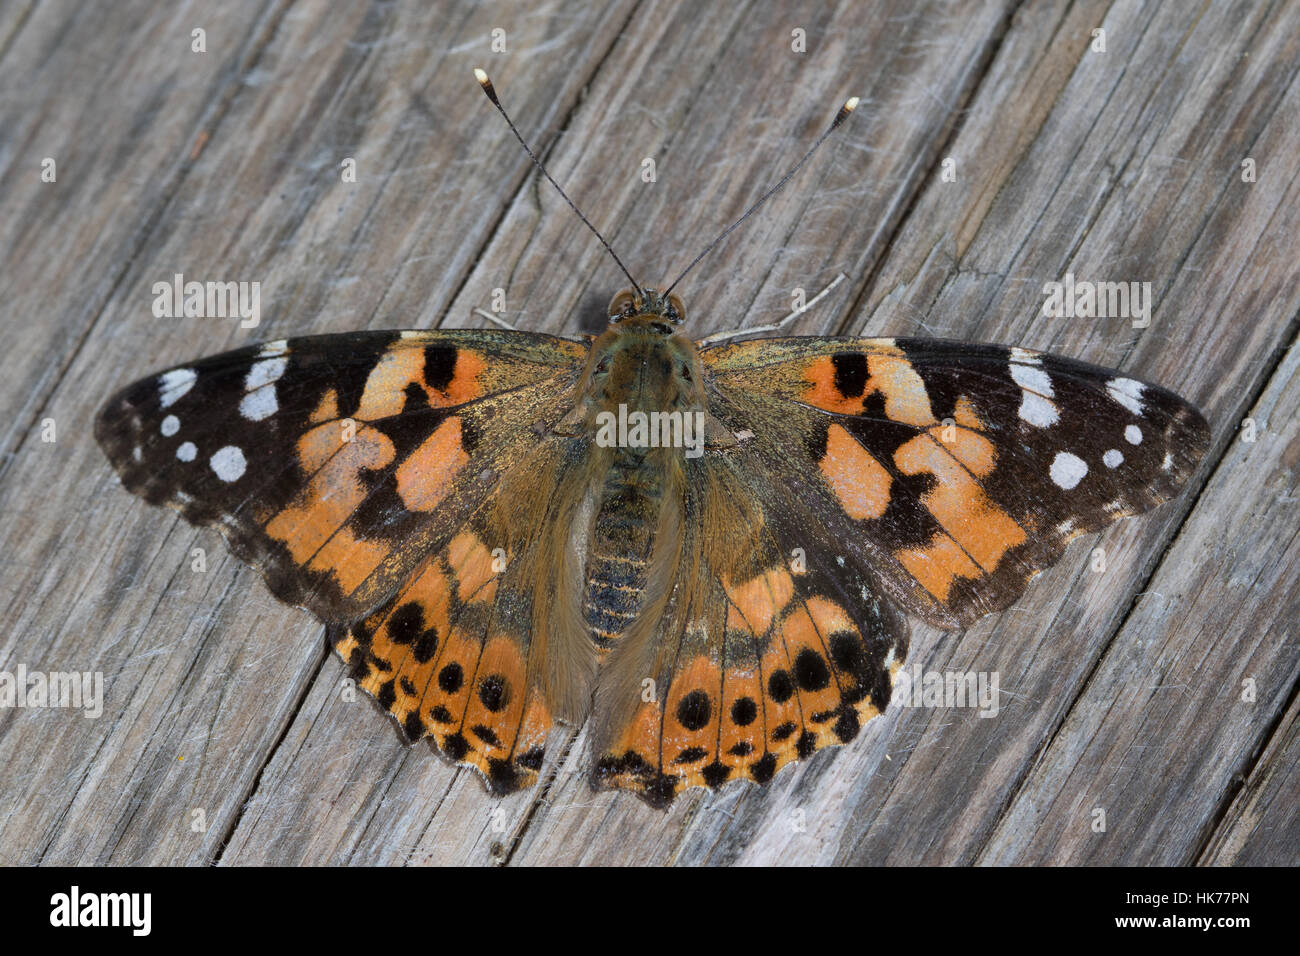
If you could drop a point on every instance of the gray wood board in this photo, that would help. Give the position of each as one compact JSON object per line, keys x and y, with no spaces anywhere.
{"x":225,"y":736}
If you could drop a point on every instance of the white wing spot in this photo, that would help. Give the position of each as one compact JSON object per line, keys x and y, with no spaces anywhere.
{"x":1038,"y":411}
{"x":1113,"y":458}
{"x":1168,"y":462}
{"x":1024,"y":356}
{"x":261,"y":401}
{"x":1068,"y":470}
{"x":1032,"y":376}
{"x":1127,"y":392}
{"x":170,"y":425}
{"x":1133,"y":435}
{"x":228,"y":463}
{"x":172,"y":385}
{"x":1036,"y":408}
{"x":264,"y":373}
{"x":187,"y":451}
{"x":272,"y":349}
{"x":259,"y":404}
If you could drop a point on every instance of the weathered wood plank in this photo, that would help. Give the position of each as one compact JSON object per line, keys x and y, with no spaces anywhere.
{"x":1123,"y":165}
{"x":120,"y":135}
{"x":1262,"y":828}
{"x":12,"y":17}
{"x":201,"y":669}
{"x":1124,"y":180}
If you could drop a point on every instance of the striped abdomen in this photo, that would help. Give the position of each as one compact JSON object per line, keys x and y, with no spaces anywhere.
{"x":622,"y":540}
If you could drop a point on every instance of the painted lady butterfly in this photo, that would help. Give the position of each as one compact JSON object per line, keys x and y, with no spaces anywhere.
{"x":487,"y":566}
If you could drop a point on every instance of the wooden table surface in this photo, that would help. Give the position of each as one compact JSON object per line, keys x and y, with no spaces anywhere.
{"x":1160,"y":691}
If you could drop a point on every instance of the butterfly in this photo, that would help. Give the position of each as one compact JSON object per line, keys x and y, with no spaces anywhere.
{"x":705,"y":550}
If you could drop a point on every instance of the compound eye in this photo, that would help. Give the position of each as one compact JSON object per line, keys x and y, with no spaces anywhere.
{"x":676,"y":311}
{"x":622,"y":305}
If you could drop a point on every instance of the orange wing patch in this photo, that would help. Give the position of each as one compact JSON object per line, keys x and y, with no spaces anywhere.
{"x":980,"y":530}
{"x":938,"y":565}
{"x":453,"y":380}
{"x":425,"y":477}
{"x":964,"y":414}
{"x":328,"y":408}
{"x":313,"y":527}
{"x":755,"y":603}
{"x":860,"y":483}
{"x":843,"y":382}
{"x":476,"y":569}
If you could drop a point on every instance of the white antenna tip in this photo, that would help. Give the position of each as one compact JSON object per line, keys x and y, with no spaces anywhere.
{"x":851,"y":104}
{"x":480,"y":76}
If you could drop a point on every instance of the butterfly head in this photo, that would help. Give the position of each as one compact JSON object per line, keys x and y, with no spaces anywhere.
{"x":643,"y":355}
{"x":647,"y":304}
{"x":642,"y":363}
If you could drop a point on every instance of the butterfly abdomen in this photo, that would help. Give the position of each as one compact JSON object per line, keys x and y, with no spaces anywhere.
{"x":622,"y":541}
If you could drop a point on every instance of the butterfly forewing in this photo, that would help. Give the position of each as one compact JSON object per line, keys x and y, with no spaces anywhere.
{"x":333,"y":464}
{"x":956,"y":471}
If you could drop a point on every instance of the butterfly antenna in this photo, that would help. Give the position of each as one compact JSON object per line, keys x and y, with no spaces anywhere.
{"x":849,"y":106}
{"x":491,"y":92}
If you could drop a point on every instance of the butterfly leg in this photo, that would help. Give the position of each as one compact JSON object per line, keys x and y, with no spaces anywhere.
{"x":775,"y":326}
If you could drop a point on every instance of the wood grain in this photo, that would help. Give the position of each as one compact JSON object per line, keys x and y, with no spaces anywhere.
{"x":1121,"y":689}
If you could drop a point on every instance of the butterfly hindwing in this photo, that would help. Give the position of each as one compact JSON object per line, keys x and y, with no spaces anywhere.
{"x":766,"y":653}
{"x":957,"y":471}
{"x":454,"y":653}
